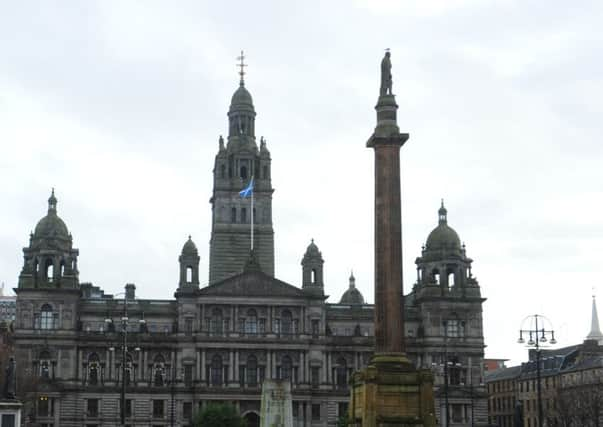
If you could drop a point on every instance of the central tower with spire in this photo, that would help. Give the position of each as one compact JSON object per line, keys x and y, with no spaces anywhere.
{"x":237,"y":162}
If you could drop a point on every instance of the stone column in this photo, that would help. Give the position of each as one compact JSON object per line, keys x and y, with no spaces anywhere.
{"x":386,"y":142}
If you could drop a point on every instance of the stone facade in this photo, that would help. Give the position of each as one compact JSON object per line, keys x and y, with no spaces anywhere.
{"x":217,"y":342}
{"x":571,"y":381}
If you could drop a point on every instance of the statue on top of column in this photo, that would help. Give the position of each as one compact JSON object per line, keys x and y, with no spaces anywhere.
{"x":386,"y":75}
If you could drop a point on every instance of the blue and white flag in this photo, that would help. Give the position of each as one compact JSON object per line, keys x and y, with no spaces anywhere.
{"x":248,"y":191}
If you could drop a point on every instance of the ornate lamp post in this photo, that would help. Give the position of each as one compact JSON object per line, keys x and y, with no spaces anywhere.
{"x":534,"y":327}
{"x":124,"y":323}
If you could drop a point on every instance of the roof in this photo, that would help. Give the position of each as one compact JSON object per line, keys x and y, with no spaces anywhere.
{"x":253,"y":283}
{"x":503,"y":374}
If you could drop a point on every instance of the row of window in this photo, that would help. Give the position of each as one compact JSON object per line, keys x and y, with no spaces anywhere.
{"x":250,"y":374}
{"x":243,"y":171}
{"x":159,"y":409}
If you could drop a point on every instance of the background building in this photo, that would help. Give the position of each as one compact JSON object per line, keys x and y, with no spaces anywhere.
{"x":571,"y":386}
{"x":218,"y":342}
{"x":7,"y":306}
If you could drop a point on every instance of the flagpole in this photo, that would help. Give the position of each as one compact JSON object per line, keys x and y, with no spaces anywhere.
{"x":252,"y":215}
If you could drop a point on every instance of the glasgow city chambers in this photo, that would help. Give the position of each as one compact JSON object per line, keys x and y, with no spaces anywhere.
{"x":86,"y":358}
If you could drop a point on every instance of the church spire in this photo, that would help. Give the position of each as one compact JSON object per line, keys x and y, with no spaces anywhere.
{"x":595,"y":331}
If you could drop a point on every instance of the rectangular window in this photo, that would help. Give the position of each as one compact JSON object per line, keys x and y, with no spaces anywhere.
{"x":158,"y":411}
{"x":242,"y":375}
{"x":276,"y":326}
{"x":452,"y":328}
{"x":92,"y":408}
{"x":8,"y":420}
{"x":316,"y":412}
{"x":315,"y":373}
{"x":45,"y":406}
{"x":262,"y":326}
{"x":188,"y":327}
{"x":295,"y":409}
{"x":129,"y":406}
{"x":188,"y":375}
{"x":457,"y":413}
{"x":187,"y":410}
{"x":315,"y":328}
{"x":342,"y":409}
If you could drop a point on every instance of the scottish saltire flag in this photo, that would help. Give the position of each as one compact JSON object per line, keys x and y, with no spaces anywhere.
{"x":248,"y":191}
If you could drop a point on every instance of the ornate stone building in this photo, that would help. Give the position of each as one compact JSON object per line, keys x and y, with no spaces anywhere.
{"x":218,"y":342}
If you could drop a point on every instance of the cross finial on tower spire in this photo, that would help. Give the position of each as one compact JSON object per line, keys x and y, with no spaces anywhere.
{"x":242,"y":65}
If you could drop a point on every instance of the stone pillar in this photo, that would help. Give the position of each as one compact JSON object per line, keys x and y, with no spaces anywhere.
{"x":386,"y":142}
{"x":390,"y":391}
{"x":203,"y":365}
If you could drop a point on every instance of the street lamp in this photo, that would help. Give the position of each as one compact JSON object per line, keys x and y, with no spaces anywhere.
{"x":537,"y":335}
{"x":124,"y":323}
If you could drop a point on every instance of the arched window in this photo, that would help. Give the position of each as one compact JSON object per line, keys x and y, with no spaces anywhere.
{"x":341,"y":373}
{"x":62,"y":271}
{"x":286,"y":321}
{"x":45,"y":365}
{"x":233,"y":215}
{"x":265,"y":172}
{"x":49,"y":266}
{"x":451,"y":277}
{"x":251,"y":322}
{"x":222,"y":171}
{"x":46,"y":317}
{"x":243,"y":172}
{"x":436,"y":276}
{"x":215,"y":323}
{"x":313,"y":274}
{"x":243,"y":215}
{"x":216,"y":370}
{"x":252,"y":371}
{"x":286,"y":368}
{"x":159,"y":371}
{"x":189,"y":274}
{"x":93,"y":369}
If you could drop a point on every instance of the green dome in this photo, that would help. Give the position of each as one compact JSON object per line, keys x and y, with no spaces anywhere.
{"x":443,"y":236}
{"x":241,"y":99}
{"x":51,"y":225}
{"x":189,"y":247}
{"x":352,"y":296}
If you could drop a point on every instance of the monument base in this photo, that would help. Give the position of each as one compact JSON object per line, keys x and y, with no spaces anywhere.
{"x":391,"y":392}
{"x":10,"y":413}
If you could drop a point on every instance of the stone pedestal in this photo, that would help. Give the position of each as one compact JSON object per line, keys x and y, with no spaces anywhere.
{"x":10,"y":413}
{"x":390,"y":392}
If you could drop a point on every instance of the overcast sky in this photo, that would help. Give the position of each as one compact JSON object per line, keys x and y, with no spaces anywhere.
{"x":119,"y":106}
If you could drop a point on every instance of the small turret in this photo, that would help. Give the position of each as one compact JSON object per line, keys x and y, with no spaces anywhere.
{"x":312,"y":265}
{"x":189,"y":266}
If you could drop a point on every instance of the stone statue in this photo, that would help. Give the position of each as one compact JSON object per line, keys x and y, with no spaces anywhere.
{"x":10,"y":381}
{"x":386,"y":75}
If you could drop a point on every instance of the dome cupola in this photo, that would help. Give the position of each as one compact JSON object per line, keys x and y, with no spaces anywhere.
{"x":50,"y":259}
{"x":51,"y":226}
{"x":443,"y":237}
{"x":352,"y":296}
